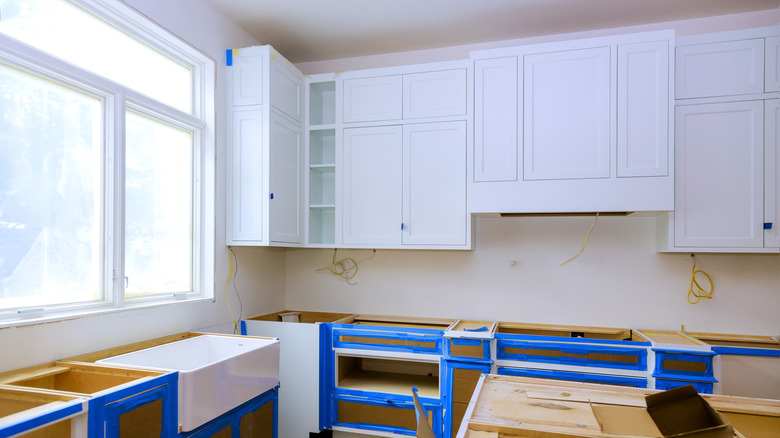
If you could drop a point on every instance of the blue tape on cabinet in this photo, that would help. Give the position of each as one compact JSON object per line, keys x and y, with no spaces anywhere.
{"x":577,"y":377}
{"x":114,"y":411}
{"x":42,"y":420}
{"x":741,"y":351}
{"x":701,"y":387}
{"x":434,"y":410}
{"x":468,"y":342}
{"x":327,"y":376}
{"x":229,"y":57}
{"x":447,"y":384}
{"x":569,"y":340}
{"x":380,"y":328}
{"x":566,"y":354}
{"x":243,"y":327}
{"x":668,"y":363}
{"x":395,"y":336}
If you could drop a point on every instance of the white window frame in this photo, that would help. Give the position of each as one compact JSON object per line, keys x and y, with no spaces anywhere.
{"x":117,"y":99}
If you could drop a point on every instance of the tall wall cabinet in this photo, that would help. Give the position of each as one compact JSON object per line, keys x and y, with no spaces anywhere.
{"x":575,"y":126}
{"x":726,"y":121}
{"x":386,"y":158}
{"x":265,"y":149}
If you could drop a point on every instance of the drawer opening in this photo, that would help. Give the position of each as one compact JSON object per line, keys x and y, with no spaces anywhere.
{"x":614,"y":334}
{"x":73,"y":378}
{"x":371,"y":414}
{"x":388,"y":376}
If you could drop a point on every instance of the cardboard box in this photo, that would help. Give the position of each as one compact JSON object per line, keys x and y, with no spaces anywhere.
{"x":676,"y":413}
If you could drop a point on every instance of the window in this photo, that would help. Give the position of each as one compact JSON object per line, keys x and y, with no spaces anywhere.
{"x":106,"y":160}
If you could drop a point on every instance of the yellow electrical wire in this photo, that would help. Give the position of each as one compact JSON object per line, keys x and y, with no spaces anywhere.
{"x":696,"y":290}
{"x":235,"y":323}
{"x":346,"y":268}
{"x":584,"y":242}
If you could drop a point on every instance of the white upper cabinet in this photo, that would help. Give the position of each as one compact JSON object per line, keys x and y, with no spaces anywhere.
{"x":434,"y":94}
{"x":265,"y":149}
{"x":434,"y":184}
{"x":372,"y":186}
{"x":772,"y":175}
{"x":286,"y":180}
{"x":643,"y":109}
{"x":372,"y":99}
{"x":720,"y":68}
{"x":574,"y":126}
{"x":719,"y":199}
{"x":566,"y":114}
{"x":772,"y":69}
{"x":496,"y":123}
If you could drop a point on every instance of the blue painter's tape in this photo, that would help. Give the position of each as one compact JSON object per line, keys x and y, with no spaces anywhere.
{"x":701,"y":387}
{"x":243,"y":327}
{"x":433,"y":409}
{"x":447,"y":383}
{"x":480,"y":329}
{"x":564,"y":339}
{"x":468,"y":342}
{"x":742,"y":351}
{"x":549,"y":353}
{"x":38,"y":421}
{"x":229,"y":56}
{"x":686,"y":352}
{"x":704,"y":358}
{"x":380,"y":328}
{"x":327,"y":376}
{"x":577,"y":377}
{"x":436,"y":340}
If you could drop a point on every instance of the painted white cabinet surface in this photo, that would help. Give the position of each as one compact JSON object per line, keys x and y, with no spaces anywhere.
{"x":372,"y":99}
{"x":372,"y":161}
{"x":575,"y":126}
{"x":720,"y":68}
{"x":434,"y":94}
{"x":772,"y":175}
{"x":719,"y":192}
{"x":265,"y":120}
{"x":772,"y":68}
{"x":434,"y":184}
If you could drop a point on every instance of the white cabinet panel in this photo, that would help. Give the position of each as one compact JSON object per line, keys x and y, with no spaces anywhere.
{"x":372,"y":99}
{"x":247,"y":196}
{"x":719,"y":187}
{"x":772,"y":175}
{"x":434,"y":94}
{"x":286,"y":180}
{"x":247,"y":80}
{"x":496,"y":107}
{"x":371,"y":209}
{"x":643,"y":109}
{"x":566,"y":114}
{"x":434,"y":184}
{"x":287,"y":90}
{"x":772,"y":70}
{"x":720,"y":69}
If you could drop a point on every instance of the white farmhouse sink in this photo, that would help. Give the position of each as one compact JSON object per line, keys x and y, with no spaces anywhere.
{"x":216,"y":373}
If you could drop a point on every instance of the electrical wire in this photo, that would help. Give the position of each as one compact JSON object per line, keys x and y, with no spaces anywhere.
{"x":346,"y":268}
{"x":584,"y":242}
{"x":696,"y":290}
{"x":235,"y":288}
{"x":227,"y":299}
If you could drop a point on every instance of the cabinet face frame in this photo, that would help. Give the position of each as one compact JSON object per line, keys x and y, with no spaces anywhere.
{"x":772,"y":174}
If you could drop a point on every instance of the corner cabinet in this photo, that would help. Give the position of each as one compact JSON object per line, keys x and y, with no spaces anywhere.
{"x":727,"y":193}
{"x":265,"y":149}
{"x":387,"y":158}
{"x":578,"y":126}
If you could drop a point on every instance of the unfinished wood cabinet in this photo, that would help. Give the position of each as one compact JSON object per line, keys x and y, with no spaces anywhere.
{"x":27,"y":413}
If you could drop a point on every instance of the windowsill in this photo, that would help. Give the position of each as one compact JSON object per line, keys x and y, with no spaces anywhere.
{"x":80,"y":314}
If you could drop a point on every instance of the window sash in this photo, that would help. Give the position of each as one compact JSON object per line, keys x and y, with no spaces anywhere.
{"x":118,"y":99}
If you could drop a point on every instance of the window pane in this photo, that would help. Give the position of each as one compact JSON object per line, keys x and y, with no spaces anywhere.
{"x":158,"y":208}
{"x":69,"y":32}
{"x":50,"y":192}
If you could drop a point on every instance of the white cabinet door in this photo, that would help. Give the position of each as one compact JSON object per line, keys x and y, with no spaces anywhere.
{"x":720,"y":69}
{"x":719,"y":200}
{"x":434,"y":184}
{"x":372,"y":99}
{"x":772,"y":175}
{"x":496,"y":123}
{"x":643,"y":109}
{"x":371,"y":163}
{"x":287,"y":90}
{"x":772,"y":69}
{"x":246,"y":80}
{"x":247,"y":195}
{"x":434,"y":94}
{"x":566,"y":115}
{"x":286,"y":180}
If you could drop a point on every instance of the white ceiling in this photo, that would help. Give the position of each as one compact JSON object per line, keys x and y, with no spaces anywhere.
{"x":313,"y":30}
